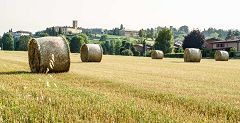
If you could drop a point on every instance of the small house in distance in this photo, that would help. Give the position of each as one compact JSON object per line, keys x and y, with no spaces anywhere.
{"x":18,"y":34}
{"x":140,"y":48}
{"x":131,"y":33}
{"x":226,"y":45}
{"x":215,"y":44}
{"x":208,"y":42}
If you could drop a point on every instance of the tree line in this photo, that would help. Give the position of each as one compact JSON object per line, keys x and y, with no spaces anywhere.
{"x":8,"y":42}
{"x":163,"y":40}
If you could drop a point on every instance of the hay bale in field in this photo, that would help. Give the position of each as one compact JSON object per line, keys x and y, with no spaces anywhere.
{"x":91,"y":53}
{"x":221,"y":55}
{"x":49,"y":54}
{"x":157,"y":54}
{"x":192,"y":55}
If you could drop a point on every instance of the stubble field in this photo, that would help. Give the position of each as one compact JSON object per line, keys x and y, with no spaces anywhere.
{"x":120,"y":89}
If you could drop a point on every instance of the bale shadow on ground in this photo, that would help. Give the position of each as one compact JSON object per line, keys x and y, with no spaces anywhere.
{"x":80,"y":62}
{"x":177,"y":61}
{"x":182,"y":62}
{"x":15,"y":72}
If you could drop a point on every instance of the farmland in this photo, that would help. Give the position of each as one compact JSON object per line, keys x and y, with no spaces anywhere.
{"x":120,"y":89}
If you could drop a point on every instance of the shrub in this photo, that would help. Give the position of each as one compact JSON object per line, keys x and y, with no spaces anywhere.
{"x":208,"y":53}
{"x":179,"y":50}
{"x":174,"y":55}
{"x":148,"y":53}
{"x":232,"y":52}
{"x":127,"y":52}
{"x":136,"y":53}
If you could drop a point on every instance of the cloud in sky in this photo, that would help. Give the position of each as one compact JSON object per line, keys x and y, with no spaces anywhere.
{"x":34,"y":15}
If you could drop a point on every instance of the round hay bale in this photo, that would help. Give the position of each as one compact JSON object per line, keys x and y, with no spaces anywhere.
{"x":192,"y":55}
{"x":91,"y":53}
{"x":157,"y":54}
{"x":49,"y":54}
{"x":221,"y":55}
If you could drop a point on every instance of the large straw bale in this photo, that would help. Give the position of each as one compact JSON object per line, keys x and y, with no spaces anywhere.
{"x":192,"y":55}
{"x":91,"y":53}
{"x":49,"y":54}
{"x":221,"y":55}
{"x":157,"y":54}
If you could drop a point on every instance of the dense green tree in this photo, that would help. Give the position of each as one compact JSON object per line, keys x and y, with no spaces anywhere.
{"x":127,"y":45}
{"x":194,"y":40}
{"x":76,"y":42}
{"x":112,"y":46}
{"x":123,"y":43}
{"x":8,"y":41}
{"x":116,"y":31}
{"x":214,"y":35}
{"x":103,"y":38}
{"x":141,"y":33}
{"x":135,"y":52}
{"x":179,"y":37}
{"x":84,"y":37}
{"x":183,"y":29}
{"x":23,"y":43}
{"x":108,"y":47}
{"x":164,"y":41}
{"x":117,"y":47}
{"x":230,"y":34}
{"x":175,"y":31}
{"x":52,"y":31}
{"x":236,"y":33}
{"x":150,"y":33}
{"x":41,"y":34}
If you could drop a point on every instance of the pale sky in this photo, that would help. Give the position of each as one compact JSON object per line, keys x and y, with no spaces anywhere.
{"x":35,"y":15}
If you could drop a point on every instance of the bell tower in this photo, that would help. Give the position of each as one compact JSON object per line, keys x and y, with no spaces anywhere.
{"x":75,"y":24}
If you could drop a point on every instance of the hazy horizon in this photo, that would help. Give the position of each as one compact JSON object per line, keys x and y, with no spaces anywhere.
{"x":35,"y":15}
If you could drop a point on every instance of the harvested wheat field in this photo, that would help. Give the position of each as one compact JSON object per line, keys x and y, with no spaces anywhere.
{"x":120,"y":89}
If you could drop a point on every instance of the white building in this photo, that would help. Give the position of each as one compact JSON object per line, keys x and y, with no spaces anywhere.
{"x":18,"y":34}
{"x":66,"y":30}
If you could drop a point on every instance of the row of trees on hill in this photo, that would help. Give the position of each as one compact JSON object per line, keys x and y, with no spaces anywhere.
{"x":163,"y":41}
{"x":117,"y":47}
{"x":181,"y":32}
{"x":165,"y":38}
{"x":8,"y":42}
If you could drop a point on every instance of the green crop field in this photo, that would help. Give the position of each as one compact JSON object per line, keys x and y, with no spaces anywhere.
{"x":120,"y":89}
